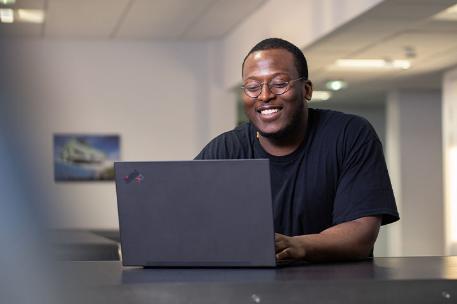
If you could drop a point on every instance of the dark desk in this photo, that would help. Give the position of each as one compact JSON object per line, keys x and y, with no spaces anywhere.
{"x":381,"y":280}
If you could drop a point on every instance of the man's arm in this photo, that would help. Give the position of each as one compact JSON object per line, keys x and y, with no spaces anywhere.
{"x":346,"y":241}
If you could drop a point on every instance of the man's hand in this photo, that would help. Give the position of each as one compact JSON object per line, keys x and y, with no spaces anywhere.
{"x":288,"y":248}
{"x":343,"y":242}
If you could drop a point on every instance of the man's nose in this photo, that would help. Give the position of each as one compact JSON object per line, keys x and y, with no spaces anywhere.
{"x":266,"y":94}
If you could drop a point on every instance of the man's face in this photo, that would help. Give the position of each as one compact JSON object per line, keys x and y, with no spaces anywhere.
{"x":274,"y":115}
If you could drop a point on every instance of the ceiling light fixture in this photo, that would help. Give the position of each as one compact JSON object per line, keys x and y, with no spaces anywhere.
{"x":32,"y":16}
{"x":373,"y":64}
{"x":321,"y":95}
{"x":6,"y":15}
{"x":336,"y":85}
{"x":7,"y":2}
{"x":449,"y":14}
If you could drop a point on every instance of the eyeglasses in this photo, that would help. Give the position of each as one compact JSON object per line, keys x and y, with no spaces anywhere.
{"x":278,"y":87}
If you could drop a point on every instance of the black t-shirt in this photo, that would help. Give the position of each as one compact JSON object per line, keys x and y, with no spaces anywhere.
{"x":337,"y":174}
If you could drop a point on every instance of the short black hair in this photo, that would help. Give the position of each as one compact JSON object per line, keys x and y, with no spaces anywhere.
{"x":277,"y":43}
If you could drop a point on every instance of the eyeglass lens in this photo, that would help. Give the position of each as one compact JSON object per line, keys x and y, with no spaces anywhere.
{"x":254,"y":89}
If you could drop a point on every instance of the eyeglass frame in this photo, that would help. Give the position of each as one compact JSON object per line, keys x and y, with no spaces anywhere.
{"x":269,"y":88}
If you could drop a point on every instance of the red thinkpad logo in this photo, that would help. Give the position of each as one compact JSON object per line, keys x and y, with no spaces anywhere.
{"x":134,"y":176}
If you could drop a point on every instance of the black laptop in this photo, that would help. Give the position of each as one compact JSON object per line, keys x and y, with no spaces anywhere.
{"x":201,"y":213}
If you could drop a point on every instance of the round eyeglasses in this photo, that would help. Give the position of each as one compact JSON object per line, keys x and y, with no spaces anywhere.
{"x":253,"y":89}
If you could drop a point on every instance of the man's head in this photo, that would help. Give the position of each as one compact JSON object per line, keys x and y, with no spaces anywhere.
{"x":276,"y":85}
{"x":277,"y":43}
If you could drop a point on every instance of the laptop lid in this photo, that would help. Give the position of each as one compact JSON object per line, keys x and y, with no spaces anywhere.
{"x":201,"y":213}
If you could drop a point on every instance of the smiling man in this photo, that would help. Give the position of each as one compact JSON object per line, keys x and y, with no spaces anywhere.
{"x":330,"y":186}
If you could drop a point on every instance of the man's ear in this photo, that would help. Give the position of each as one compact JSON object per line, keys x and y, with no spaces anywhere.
{"x":308,"y":90}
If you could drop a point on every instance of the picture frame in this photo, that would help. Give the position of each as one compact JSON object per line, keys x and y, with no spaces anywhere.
{"x":85,"y":157}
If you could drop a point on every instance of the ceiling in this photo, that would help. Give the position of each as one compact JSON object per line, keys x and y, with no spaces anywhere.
{"x":390,"y":30}
{"x":133,"y":19}
{"x":385,"y":31}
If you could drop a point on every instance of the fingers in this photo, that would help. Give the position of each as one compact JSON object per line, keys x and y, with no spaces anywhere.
{"x":283,"y":255}
{"x":279,"y":237}
{"x":280,"y":247}
{"x":280,"y":242}
{"x":288,"y":247}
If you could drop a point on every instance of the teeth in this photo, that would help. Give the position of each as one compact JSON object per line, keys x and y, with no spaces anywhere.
{"x":268,"y":111}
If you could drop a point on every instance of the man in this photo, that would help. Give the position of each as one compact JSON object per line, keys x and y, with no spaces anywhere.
{"x":330,"y":186}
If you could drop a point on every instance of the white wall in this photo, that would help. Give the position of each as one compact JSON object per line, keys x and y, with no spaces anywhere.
{"x":450,"y":158}
{"x":155,"y":95}
{"x":221,"y":113}
{"x":414,"y":158}
{"x":300,"y":22}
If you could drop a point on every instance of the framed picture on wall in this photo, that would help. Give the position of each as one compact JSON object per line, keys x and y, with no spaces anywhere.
{"x":85,"y":157}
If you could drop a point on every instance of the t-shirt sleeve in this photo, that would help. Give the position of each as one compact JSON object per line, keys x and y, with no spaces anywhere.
{"x":213,"y":150}
{"x":364,"y":187}
{"x":228,"y":145}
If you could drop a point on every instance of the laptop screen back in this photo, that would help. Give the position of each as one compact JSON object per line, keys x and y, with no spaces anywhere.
{"x":208,"y":213}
